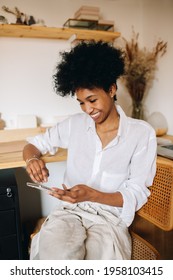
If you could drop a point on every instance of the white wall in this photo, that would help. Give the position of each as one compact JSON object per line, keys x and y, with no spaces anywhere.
{"x":158,"y":22}
{"x":27,"y":65}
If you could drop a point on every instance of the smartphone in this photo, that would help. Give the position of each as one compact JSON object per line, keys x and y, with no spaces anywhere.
{"x":38,"y":186}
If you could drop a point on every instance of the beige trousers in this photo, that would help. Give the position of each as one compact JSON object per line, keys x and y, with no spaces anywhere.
{"x":82,"y":233}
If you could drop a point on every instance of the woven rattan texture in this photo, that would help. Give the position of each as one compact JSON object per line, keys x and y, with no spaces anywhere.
{"x":142,"y":250}
{"x":159,"y":208}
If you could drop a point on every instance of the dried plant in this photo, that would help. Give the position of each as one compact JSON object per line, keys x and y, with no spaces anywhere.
{"x":15,"y":12}
{"x":22,"y":18}
{"x":140,"y":66}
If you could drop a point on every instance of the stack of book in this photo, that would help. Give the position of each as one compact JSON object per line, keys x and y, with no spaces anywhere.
{"x":88,"y":13}
{"x":88,"y":17}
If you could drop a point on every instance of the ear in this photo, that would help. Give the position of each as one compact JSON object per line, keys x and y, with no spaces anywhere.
{"x":112,"y":91}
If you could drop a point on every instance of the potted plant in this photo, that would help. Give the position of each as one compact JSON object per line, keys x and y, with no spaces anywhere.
{"x":140,"y":68}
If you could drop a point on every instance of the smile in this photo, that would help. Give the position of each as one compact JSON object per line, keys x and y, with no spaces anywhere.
{"x":95,"y":115}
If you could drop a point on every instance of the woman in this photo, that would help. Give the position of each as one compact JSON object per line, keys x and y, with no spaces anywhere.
{"x":111,"y":162}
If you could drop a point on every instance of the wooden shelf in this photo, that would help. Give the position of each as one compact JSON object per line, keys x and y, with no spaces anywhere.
{"x":23,"y":31}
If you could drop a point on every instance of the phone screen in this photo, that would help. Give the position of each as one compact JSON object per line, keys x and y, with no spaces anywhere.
{"x":38,"y":186}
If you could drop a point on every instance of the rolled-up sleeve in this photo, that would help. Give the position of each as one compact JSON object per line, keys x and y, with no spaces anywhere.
{"x":54,"y":137}
{"x":142,"y":170}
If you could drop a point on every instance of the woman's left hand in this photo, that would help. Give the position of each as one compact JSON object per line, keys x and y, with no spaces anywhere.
{"x":78,"y":193}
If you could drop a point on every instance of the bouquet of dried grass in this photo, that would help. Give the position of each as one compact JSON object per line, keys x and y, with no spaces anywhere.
{"x":140,"y":67}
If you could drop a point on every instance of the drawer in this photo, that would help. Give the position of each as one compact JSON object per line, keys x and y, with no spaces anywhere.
{"x":10,"y":227}
{"x":9,"y":248}
{"x":7,"y":177}
{"x":7,"y":223}
{"x":7,"y":198}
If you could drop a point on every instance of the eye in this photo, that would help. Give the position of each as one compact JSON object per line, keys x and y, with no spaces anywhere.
{"x":80,"y":102}
{"x":94,"y":100}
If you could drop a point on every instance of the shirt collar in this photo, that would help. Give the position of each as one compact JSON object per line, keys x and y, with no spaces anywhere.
{"x":122,"y":125}
{"x":90,"y":123}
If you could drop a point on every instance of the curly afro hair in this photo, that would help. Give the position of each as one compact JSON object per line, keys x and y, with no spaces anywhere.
{"x":88,"y":65}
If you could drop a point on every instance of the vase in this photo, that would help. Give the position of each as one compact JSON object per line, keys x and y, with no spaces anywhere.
{"x":137,"y":110}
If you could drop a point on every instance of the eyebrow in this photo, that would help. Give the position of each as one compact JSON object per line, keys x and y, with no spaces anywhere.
{"x":88,"y":97}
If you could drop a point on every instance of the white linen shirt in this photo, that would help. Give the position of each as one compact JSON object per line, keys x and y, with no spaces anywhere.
{"x":126,"y":165}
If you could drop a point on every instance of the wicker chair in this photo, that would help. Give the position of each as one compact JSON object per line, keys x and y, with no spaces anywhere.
{"x":158,"y":210}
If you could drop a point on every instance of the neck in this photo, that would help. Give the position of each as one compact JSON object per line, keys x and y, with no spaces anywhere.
{"x":111,"y":123}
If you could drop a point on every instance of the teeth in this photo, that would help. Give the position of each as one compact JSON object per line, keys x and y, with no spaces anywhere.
{"x":93,"y":115}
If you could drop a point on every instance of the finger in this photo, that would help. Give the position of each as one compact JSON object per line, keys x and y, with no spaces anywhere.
{"x":70,"y":196}
{"x":58,"y":191}
{"x":44,"y":171}
{"x":65,"y":187}
{"x":35,"y":176}
{"x":35,"y":171}
{"x":63,"y":194}
{"x":44,"y":174}
{"x":63,"y":197}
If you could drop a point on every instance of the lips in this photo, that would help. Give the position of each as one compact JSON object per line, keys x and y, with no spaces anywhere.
{"x":95,"y":116}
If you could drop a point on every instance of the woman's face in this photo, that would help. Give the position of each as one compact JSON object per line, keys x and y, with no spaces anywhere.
{"x":96,"y":103}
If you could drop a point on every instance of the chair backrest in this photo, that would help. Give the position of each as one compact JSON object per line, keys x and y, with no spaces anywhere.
{"x":159,"y":208}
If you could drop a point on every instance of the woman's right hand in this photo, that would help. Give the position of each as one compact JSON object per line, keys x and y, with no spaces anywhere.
{"x":37,"y":170}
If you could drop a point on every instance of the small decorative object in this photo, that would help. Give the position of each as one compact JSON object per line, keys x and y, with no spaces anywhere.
{"x":26,"y":121}
{"x":3,"y":20}
{"x":88,"y":24}
{"x":19,"y":15}
{"x":140,"y":67}
{"x":31,"y":20}
{"x":88,"y":17}
{"x":158,"y":122}
{"x":2,"y":123}
{"x":88,"y":13}
{"x":22,"y":18}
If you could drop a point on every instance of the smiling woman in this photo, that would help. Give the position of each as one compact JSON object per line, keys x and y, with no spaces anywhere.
{"x":108,"y":181}
{"x":100,"y":107}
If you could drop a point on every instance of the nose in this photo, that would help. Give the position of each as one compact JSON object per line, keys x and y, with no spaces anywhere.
{"x":87,"y":108}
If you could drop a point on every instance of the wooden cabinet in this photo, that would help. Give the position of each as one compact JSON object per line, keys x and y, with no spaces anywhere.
{"x":23,"y":31}
{"x":10,"y":229}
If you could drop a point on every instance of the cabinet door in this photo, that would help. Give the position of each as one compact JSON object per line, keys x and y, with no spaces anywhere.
{"x":9,"y":248}
{"x":7,"y":198}
{"x":10,"y":226}
{"x":7,"y":222}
